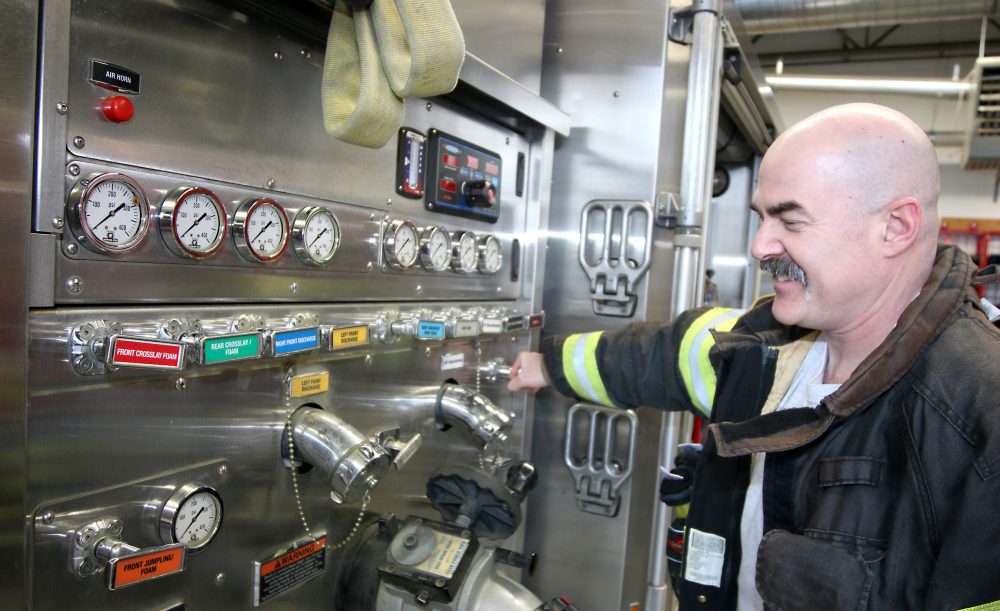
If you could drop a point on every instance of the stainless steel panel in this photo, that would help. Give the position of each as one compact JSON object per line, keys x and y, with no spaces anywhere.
{"x":113,"y":444}
{"x":732,"y":228}
{"x":624,"y":87}
{"x":506,"y":35}
{"x":17,"y":101}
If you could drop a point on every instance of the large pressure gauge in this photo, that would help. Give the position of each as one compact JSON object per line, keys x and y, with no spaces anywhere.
{"x":192,"y":516}
{"x":490,"y":255}
{"x":260,"y":230}
{"x":399,"y":244}
{"x":108,"y":213}
{"x":192,"y":222}
{"x":464,"y":251}
{"x":435,"y":249}
{"x":316,"y":235}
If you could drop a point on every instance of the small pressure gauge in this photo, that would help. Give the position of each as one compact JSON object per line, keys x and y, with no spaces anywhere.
{"x":192,"y":516}
{"x":490,"y":255}
{"x":435,"y":249}
{"x":315,"y":235}
{"x":260,"y":230}
{"x":464,"y":251}
{"x":108,"y":213}
{"x":192,"y":222}
{"x":400,"y":244}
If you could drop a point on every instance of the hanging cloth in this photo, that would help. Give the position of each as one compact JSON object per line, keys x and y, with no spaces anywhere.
{"x":377,"y":56}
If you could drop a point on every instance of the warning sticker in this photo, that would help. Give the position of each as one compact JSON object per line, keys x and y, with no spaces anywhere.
{"x":443,"y":561}
{"x":135,"y":352}
{"x":705,"y":555}
{"x":146,"y":565}
{"x":310,"y":384}
{"x":346,"y":337}
{"x":291,"y":568}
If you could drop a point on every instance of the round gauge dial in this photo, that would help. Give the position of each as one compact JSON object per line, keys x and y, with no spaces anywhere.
{"x":435,"y":249}
{"x":260,"y":230}
{"x":192,"y":516}
{"x":316,"y":235}
{"x":464,"y":251}
{"x":192,"y":222}
{"x":490,"y":255}
{"x":400,"y":244}
{"x":108,"y":213}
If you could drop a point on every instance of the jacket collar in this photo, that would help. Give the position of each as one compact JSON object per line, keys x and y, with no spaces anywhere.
{"x":946,"y":290}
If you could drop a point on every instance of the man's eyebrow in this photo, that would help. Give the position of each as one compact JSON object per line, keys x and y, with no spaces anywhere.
{"x":779,"y":208}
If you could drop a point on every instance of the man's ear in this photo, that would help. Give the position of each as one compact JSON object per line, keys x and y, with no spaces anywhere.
{"x":901,"y":223}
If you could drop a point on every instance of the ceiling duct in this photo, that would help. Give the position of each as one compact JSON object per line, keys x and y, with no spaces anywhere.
{"x":770,"y":16}
{"x":982,"y":140}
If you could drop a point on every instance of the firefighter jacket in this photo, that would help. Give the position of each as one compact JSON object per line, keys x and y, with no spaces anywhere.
{"x":885,"y":496}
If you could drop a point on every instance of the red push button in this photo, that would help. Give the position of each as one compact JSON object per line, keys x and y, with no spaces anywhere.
{"x":449,"y":185}
{"x":118,"y":109}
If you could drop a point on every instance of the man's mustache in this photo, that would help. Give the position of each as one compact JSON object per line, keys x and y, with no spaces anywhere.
{"x":784,"y":267}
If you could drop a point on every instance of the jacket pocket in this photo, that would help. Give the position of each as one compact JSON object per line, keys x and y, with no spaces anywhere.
{"x":796,"y":573}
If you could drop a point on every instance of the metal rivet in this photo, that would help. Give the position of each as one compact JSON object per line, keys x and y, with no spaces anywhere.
{"x":278,"y":55}
{"x":74,"y":170}
{"x":701,"y":598}
{"x":62,"y":108}
{"x":57,"y":223}
{"x":420,"y":290}
{"x":371,"y":217}
{"x":429,"y":106}
{"x":270,"y":183}
{"x":368,"y":359}
{"x":71,"y":249}
{"x":48,"y":517}
{"x":180,"y":384}
{"x":388,"y":202}
{"x":616,"y":93}
{"x":499,"y":290}
{"x":79,"y":142}
{"x":506,"y":140}
{"x":427,"y":352}
{"x":294,"y":287}
{"x":74,"y":284}
{"x":223,"y":470}
{"x":220,"y":579}
{"x":559,"y":50}
{"x":305,"y":53}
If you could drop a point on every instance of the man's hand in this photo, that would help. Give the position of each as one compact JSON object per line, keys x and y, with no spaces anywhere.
{"x":528,"y":373}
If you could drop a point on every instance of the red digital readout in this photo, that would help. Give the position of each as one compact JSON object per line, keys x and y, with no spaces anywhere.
{"x":491,"y":168}
{"x":472,"y":162}
{"x":450,"y":160}
{"x":448,"y":184}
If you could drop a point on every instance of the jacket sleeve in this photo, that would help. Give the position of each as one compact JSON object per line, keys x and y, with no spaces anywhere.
{"x":651,"y":364}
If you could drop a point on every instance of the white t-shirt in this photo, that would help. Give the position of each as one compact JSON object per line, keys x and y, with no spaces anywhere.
{"x":806,"y":390}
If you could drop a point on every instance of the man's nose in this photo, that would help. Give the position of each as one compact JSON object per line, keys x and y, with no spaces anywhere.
{"x":765,"y":244}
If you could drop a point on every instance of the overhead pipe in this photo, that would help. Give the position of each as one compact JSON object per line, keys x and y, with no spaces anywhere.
{"x":858,"y":84}
{"x":775,"y":16}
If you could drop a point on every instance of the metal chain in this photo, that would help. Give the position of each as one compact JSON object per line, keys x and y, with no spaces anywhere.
{"x":293,"y":471}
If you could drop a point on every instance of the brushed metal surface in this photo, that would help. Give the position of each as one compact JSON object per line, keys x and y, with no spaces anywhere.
{"x":624,"y":88}
{"x":506,"y":35}
{"x":17,"y":99}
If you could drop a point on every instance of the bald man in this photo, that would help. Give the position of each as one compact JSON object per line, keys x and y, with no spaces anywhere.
{"x":853,"y":460}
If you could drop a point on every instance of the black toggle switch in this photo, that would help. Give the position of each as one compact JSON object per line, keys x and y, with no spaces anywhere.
{"x":480,"y":193}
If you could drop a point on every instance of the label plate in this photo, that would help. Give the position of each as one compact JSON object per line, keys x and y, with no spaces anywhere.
{"x":466,"y":328}
{"x":348,"y":337}
{"x":146,"y":565}
{"x":151,"y":354}
{"x":429,"y":329}
{"x":116,"y":78}
{"x":294,"y":566}
{"x":226,"y":348}
{"x":452,"y":361}
{"x":296,"y":340}
{"x":309,"y":384}
{"x":492,"y":325}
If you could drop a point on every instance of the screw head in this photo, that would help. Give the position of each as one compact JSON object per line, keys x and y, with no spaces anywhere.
{"x":180,"y":384}
{"x":74,"y":284}
{"x":223,"y":470}
{"x":72,"y":249}
{"x":115,"y":528}
{"x":278,"y":55}
{"x":48,"y":517}
{"x":305,"y":53}
{"x":220,"y":579}
{"x":506,"y":140}
{"x":62,"y":108}
{"x":57,"y":223}
{"x":429,"y":106}
{"x":368,"y":359}
{"x":293,"y":287}
{"x":616,"y":93}
{"x":270,"y":183}
{"x":439,"y":582}
{"x":427,"y":352}
{"x":369,"y":266}
{"x":419,"y":290}
{"x":79,"y":142}
{"x":74,"y":170}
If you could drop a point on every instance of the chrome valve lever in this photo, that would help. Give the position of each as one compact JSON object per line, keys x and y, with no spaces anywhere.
{"x":495,"y":371}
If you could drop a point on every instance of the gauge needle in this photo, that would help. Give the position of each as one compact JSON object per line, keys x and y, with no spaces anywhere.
{"x":113,"y":212}
{"x":440,"y":245}
{"x":404,"y":243}
{"x":203,"y":215}
{"x":193,"y":520}
{"x":317,"y":237}
{"x":269,"y":223}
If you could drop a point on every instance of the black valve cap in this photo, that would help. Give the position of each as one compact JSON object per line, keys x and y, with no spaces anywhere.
{"x":517,"y":559}
{"x":522,"y":477}
{"x":480,"y":193}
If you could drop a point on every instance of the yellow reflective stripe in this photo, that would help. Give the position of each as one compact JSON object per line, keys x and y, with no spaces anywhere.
{"x":692,"y":358}
{"x":579,"y":355}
